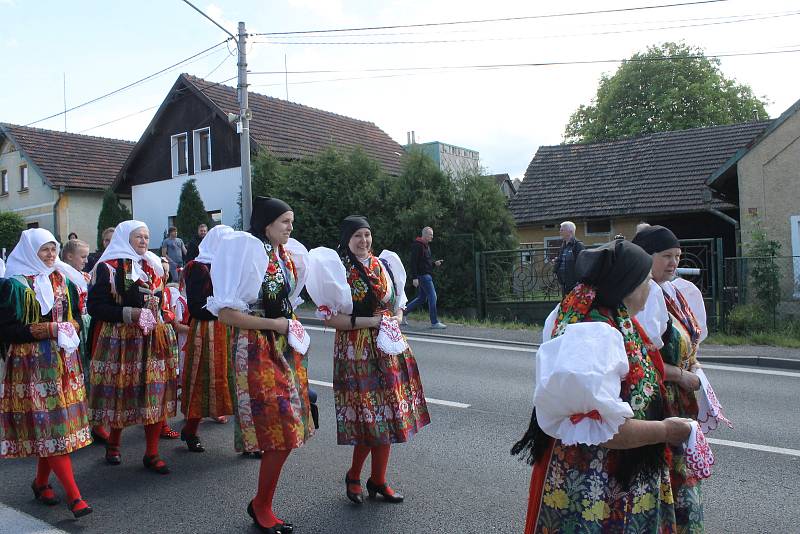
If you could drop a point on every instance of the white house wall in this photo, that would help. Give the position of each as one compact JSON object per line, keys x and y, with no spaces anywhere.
{"x":155,"y":202}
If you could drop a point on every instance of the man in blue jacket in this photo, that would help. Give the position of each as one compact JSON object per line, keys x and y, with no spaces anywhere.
{"x":422,"y":276}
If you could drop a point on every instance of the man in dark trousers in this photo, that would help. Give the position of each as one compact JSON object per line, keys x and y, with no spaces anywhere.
{"x":564,"y":265}
{"x":422,"y":276}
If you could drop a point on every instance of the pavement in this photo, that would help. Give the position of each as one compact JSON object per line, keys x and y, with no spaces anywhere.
{"x":751,"y":355}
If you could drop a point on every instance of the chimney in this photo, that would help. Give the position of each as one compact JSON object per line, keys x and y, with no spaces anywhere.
{"x":408,"y":138}
{"x":413,"y":138}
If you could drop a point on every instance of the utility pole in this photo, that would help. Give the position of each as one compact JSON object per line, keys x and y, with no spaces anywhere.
{"x":244,"y":114}
{"x":244,"y":124}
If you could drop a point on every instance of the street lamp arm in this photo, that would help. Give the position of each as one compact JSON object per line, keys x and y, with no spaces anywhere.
{"x":209,"y":18}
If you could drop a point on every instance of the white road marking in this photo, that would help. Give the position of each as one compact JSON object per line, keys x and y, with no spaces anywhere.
{"x":754,"y":446}
{"x":448,"y":342}
{"x":452,"y":404}
{"x":740,"y":369}
{"x":21,"y":523}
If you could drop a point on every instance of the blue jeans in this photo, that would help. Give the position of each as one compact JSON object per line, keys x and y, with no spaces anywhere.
{"x":425,"y":293}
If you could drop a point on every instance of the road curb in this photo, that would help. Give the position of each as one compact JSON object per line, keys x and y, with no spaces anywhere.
{"x":752,"y":361}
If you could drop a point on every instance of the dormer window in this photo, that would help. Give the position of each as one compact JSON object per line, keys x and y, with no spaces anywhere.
{"x":202,"y":150}
{"x":180,"y":154}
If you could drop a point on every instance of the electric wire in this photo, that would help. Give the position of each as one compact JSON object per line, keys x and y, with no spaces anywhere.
{"x":128,"y":86}
{"x":501,"y":19}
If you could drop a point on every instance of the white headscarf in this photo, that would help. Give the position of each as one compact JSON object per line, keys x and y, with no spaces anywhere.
{"x":237,"y":272}
{"x":24,"y":261}
{"x":210,"y":243}
{"x":120,"y":249}
{"x":2,"y":268}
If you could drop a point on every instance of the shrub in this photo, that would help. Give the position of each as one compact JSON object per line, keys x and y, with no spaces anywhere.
{"x":747,"y":319}
{"x":11,"y":226}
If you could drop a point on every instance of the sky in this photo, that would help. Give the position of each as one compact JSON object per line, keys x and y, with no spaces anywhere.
{"x":77,"y":51}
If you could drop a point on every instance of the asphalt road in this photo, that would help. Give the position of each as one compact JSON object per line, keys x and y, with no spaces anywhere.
{"x":456,"y":474}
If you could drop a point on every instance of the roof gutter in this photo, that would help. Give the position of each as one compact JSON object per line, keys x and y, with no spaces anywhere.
{"x":55,"y":213}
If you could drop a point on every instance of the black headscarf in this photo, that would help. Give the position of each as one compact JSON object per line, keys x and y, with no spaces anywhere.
{"x":656,"y":239}
{"x":265,"y":211}
{"x":614,"y":269}
{"x":350,"y":225}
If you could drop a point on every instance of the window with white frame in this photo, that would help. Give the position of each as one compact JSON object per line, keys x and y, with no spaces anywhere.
{"x":23,"y":178}
{"x":202,"y":150}
{"x":3,"y":182}
{"x":180,"y":154}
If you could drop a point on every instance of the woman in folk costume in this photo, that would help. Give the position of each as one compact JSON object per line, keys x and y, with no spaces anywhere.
{"x":75,"y":254}
{"x":205,"y":391}
{"x":599,"y":459}
{"x":134,"y":349}
{"x":255,"y":282}
{"x":42,"y":397}
{"x":676,"y":327}
{"x":379,"y":397}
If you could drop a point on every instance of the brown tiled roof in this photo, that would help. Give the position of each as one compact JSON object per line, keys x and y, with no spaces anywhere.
{"x":70,"y":160}
{"x":653,"y":174}
{"x":294,"y":131}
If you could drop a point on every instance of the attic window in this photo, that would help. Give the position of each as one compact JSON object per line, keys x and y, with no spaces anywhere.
{"x":180,"y":154}
{"x":601,"y":226}
{"x":23,"y":178}
{"x":202,"y":150}
{"x":3,"y":182}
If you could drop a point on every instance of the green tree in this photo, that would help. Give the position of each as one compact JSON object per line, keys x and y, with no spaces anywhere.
{"x":112,"y":213}
{"x":11,"y":226}
{"x":668,"y":87}
{"x":191,"y":211}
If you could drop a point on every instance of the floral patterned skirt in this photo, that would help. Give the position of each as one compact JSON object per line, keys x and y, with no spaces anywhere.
{"x":685,"y":487}
{"x":205,"y":391}
{"x":42,"y":402}
{"x":133,"y":377}
{"x":379,"y":398}
{"x":572,"y":491}
{"x":269,"y":382}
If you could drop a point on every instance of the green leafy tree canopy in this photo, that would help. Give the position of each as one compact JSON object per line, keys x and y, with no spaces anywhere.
{"x":191,"y":211}
{"x":668,"y":87}
{"x":112,"y":213}
{"x":11,"y":226}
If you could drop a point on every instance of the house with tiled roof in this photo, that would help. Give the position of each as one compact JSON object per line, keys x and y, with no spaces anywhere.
{"x":191,"y":137}
{"x":763,"y":180}
{"x":607,"y":188}
{"x":56,"y":180}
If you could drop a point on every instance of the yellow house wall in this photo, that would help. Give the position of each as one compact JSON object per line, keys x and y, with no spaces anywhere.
{"x":536,"y":234}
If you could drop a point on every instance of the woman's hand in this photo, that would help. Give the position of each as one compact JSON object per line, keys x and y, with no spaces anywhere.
{"x":689,"y":381}
{"x":677,"y":430}
{"x":375,"y":320}
{"x":279,"y":325}
{"x":135,"y":314}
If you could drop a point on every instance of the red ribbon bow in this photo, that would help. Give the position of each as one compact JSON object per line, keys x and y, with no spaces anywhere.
{"x":325,"y":310}
{"x":578,"y":417}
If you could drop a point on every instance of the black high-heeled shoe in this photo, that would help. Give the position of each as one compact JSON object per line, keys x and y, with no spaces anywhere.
{"x":281,"y":528}
{"x":39,"y":494}
{"x":357,"y":498}
{"x":83,"y":511}
{"x":373,"y":489}
{"x":192,"y":442}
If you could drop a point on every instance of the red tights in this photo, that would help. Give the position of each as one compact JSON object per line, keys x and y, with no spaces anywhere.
{"x":151,"y":433}
{"x":268,"y":475}
{"x":62,"y":466}
{"x":380,"y":460}
{"x":190,"y":428}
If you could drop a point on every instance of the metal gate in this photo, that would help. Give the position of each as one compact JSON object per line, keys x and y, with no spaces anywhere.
{"x":520,"y":284}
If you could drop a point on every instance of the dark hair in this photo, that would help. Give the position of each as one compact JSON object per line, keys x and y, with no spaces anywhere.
{"x":171,"y":229}
{"x":72,"y":235}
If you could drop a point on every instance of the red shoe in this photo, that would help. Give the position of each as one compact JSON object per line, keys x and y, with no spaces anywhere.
{"x":168,"y":433}
{"x":44,"y":494}
{"x":156,"y":464}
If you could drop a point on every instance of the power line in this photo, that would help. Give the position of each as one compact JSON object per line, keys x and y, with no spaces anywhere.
{"x":128,"y":86}
{"x":118,"y":119}
{"x":534,"y":37}
{"x":539,"y":64}
{"x":502,"y":19}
